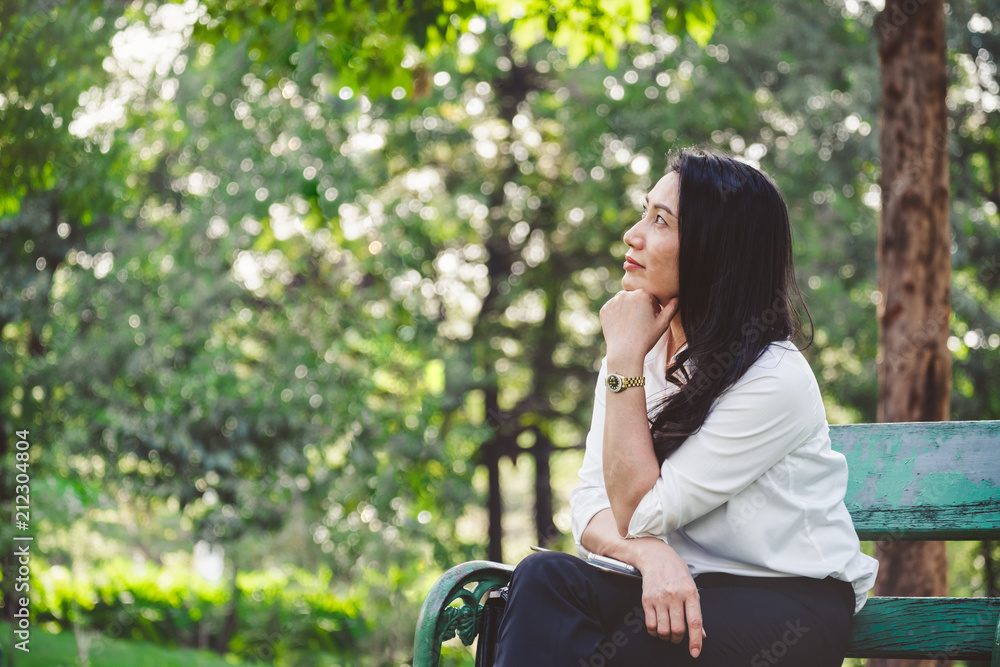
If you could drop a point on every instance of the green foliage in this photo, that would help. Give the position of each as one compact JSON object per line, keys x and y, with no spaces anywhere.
{"x":60,"y":650}
{"x":975,"y":190}
{"x":286,"y":617}
{"x":374,"y":46}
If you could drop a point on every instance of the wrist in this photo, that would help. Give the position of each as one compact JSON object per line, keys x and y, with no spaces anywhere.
{"x":647,"y":549}
{"x":627,"y":365}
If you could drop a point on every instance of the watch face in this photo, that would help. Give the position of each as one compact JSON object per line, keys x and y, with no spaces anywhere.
{"x":615,"y":383}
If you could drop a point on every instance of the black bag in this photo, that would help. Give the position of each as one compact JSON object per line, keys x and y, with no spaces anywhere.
{"x":489,"y":626}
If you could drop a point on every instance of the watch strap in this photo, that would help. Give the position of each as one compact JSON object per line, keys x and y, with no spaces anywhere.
{"x":617,"y":383}
{"x":633,"y":382}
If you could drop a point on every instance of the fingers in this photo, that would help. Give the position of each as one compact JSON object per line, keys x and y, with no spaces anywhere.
{"x":651,"y":618}
{"x":665,"y":621}
{"x":658,"y":623}
{"x":632,"y":322}
{"x":671,"y":620}
{"x":676,"y":631}
{"x":696,"y":631}
{"x":637,"y":297}
{"x":667,"y":313}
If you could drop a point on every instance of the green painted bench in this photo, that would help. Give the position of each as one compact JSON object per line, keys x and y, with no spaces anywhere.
{"x":923,"y":481}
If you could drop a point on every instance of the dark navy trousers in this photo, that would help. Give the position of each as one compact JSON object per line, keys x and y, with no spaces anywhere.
{"x":564,"y":612}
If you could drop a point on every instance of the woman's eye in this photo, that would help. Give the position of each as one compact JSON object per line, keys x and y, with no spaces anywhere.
{"x":660,"y":220}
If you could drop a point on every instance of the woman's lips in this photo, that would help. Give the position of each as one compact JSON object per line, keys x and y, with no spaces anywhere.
{"x":631,"y":264}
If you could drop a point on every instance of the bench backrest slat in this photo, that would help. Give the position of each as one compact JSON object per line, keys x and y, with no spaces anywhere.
{"x":959,"y":628}
{"x":922,"y":480}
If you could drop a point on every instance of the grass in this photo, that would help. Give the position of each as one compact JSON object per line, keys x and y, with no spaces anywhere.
{"x":48,"y":650}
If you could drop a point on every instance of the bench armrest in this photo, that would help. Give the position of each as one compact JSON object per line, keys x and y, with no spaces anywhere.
{"x":439,"y":621}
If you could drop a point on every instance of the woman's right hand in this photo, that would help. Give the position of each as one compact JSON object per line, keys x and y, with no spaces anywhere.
{"x":632,"y":323}
{"x":670,"y":598}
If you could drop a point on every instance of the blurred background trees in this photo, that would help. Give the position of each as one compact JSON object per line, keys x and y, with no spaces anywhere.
{"x":334,"y":310}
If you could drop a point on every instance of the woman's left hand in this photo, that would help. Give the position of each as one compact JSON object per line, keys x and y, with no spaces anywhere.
{"x":633,"y":321}
{"x":670,"y":599}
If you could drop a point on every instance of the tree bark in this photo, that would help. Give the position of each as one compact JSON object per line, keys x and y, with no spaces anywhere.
{"x":511,"y":89}
{"x":545,"y":528}
{"x":542,"y":390}
{"x":492,"y":453}
{"x":914,"y":255}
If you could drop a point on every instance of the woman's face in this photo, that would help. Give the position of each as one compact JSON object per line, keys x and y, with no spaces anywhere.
{"x":652,"y":260}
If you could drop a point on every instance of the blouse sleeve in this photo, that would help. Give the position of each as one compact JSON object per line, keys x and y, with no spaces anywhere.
{"x":769,"y":412}
{"x":590,"y":497}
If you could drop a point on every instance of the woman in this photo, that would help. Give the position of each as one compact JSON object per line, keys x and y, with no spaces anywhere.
{"x":708,"y":464}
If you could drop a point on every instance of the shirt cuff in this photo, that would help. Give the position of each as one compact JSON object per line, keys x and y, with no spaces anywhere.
{"x":647,"y":519}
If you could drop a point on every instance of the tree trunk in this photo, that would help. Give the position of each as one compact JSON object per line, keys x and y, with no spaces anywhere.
{"x":511,"y":89}
{"x":492,"y":452}
{"x":545,"y":528}
{"x":914,"y":256}
{"x":231,"y":622}
{"x":542,"y":390}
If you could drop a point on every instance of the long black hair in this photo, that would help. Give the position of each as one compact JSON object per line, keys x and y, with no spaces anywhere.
{"x":736,"y":283}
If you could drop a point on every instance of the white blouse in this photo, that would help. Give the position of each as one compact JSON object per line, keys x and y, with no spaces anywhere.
{"x":756,"y":492}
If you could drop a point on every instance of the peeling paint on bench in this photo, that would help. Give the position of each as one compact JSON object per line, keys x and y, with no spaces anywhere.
{"x":916,"y":480}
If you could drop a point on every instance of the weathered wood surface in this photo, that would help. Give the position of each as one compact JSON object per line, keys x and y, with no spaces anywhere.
{"x":927,"y":480}
{"x":937,"y":628}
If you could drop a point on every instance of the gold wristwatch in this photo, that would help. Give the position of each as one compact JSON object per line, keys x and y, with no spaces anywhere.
{"x":616,"y":382}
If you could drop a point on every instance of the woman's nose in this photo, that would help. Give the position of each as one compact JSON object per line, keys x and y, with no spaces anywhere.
{"x":632,"y":236}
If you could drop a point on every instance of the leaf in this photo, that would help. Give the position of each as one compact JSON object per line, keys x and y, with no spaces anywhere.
{"x":699,"y":19}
